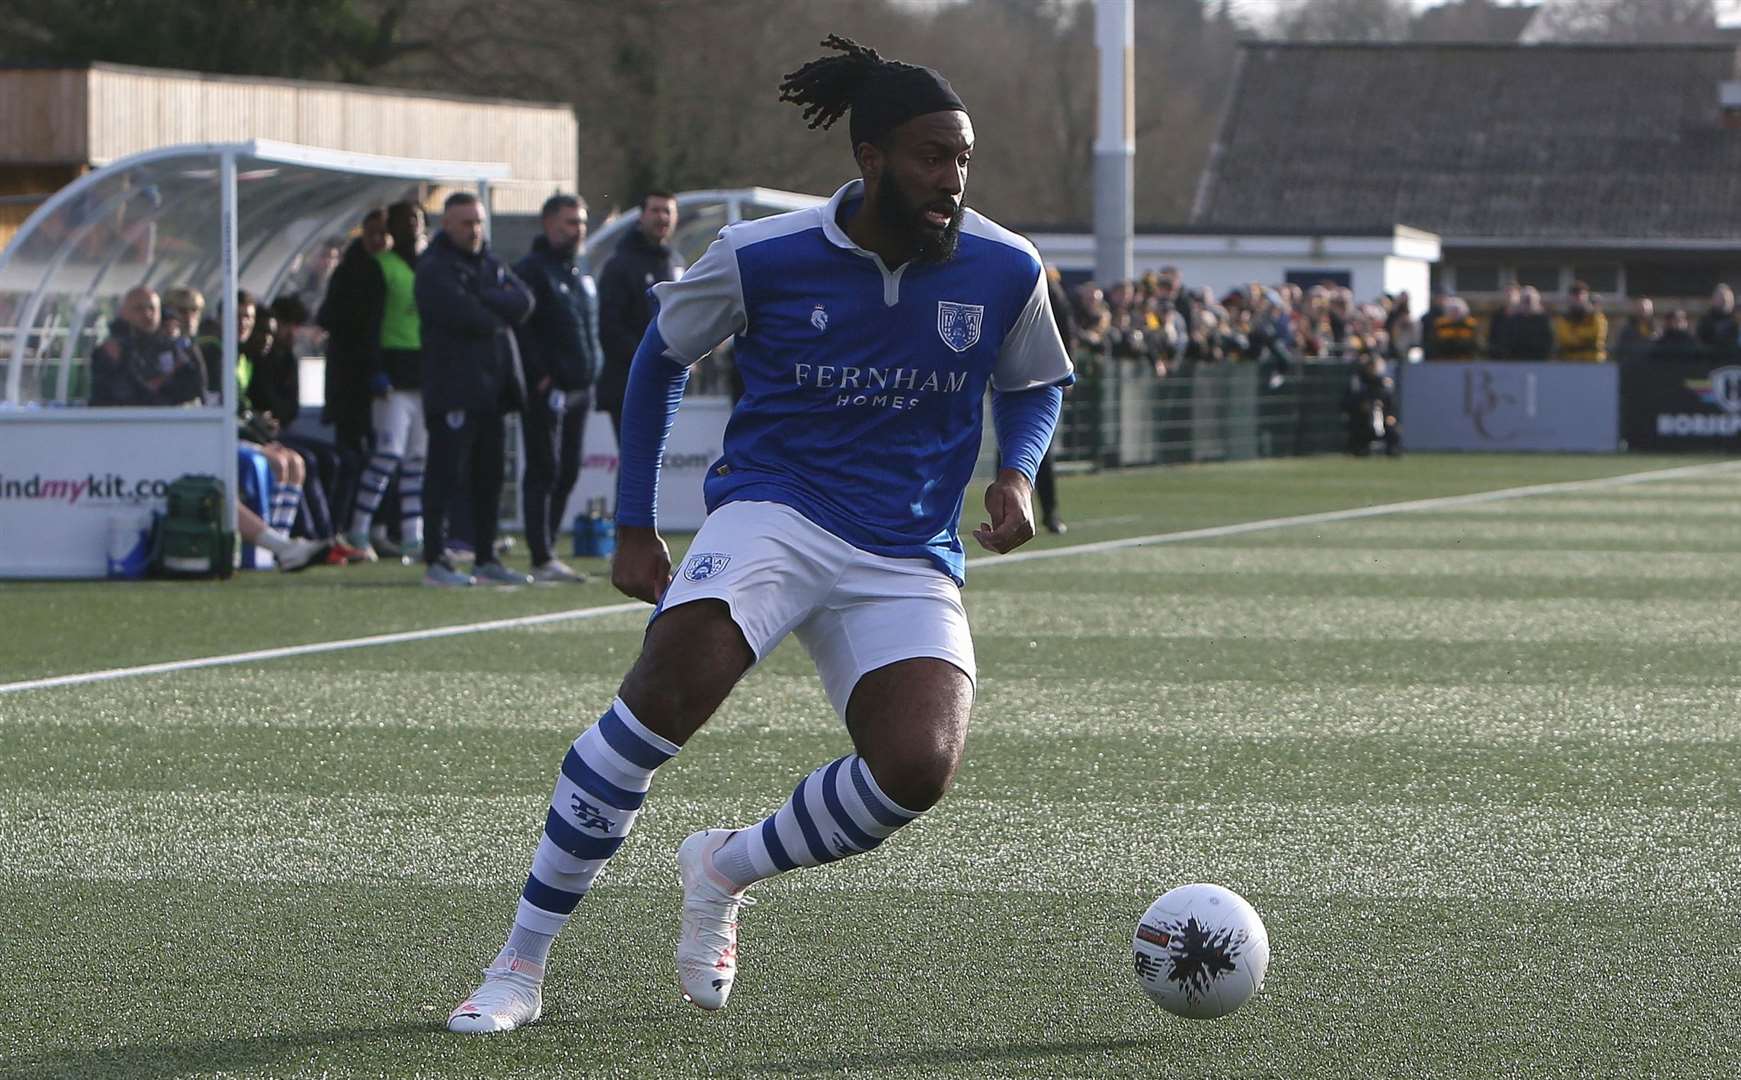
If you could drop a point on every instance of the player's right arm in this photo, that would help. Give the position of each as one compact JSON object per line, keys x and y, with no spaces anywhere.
{"x":691,"y":316}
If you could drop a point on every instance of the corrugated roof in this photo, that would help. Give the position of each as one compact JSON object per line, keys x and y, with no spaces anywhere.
{"x":1501,"y":141}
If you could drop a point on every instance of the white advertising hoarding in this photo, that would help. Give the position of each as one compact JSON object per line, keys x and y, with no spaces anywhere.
{"x":66,"y":473}
{"x":697,"y":440}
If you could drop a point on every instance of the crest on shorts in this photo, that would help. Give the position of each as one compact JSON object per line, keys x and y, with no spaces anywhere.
{"x":959,"y":324}
{"x":703,"y":565}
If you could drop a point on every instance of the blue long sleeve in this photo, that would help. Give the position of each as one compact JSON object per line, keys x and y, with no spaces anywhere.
{"x":649,"y":408}
{"x":1025,"y":420}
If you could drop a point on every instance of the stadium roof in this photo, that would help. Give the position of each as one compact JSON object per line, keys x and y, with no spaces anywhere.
{"x":1535,"y":144}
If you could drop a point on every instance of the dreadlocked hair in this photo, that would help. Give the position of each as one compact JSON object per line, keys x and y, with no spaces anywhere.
{"x":825,"y":86}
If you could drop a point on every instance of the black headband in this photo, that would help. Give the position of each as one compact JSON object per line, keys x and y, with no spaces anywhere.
{"x":894,"y":95}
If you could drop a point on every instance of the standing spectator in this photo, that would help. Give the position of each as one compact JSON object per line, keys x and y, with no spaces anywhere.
{"x":1639,"y":333}
{"x":1719,"y":331}
{"x":1453,"y":333}
{"x":351,"y":316}
{"x":1341,"y":311}
{"x":561,"y":354}
{"x":395,"y":375}
{"x":468,"y":302}
{"x":1530,"y":331}
{"x":642,"y":260}
{"x":1429,"y":319}
{"x":1501,"y":328}
{"x":1400,"y":327}
{"x":1677,"y":341}
{"x":1272,"y":335}
{"x":137,"y":364}
{"x":1581,"y":333}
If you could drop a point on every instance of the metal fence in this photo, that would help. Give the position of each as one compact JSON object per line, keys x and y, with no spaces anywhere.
{"x":1121,"y":414}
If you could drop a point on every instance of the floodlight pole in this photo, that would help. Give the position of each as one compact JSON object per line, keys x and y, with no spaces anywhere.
{"x":227,"y":213}
{"x":1115,"y":140}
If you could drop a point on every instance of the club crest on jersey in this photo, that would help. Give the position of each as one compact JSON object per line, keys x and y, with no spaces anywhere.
{"x":703,"y":565}
{"x":959,"y":324}
{"x":819,"y":317}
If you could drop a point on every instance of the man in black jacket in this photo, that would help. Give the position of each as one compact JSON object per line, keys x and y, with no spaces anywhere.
{"x":468,"y":303}
{"x":351,"y":316}
{"x":1719,"y":329}
{"x":560,"y":353}
{"x":642,"y":260}
{"x":137,"y":364}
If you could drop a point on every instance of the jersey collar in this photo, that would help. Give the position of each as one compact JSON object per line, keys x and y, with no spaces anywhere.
{"x":852,"y":189}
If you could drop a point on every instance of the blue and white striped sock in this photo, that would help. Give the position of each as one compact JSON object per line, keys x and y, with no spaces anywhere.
{"x":371,"y":488}
{"x":604,"y":779}
{"x":837,"y":811}
{"x":285,"y":500}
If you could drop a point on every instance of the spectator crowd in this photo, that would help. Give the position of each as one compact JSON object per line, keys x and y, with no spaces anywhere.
{"x":1172,"y":327}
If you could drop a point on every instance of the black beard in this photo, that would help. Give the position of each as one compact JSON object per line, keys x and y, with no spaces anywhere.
{"x":897,"y":214}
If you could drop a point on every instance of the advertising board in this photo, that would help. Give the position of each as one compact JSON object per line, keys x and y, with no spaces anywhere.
{"x":1508,"y":407}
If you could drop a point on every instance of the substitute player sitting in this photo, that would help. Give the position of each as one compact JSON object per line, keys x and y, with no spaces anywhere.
{"x":867,"y":331}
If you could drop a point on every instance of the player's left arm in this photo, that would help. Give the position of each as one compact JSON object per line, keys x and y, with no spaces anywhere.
{"x":1027,"y":396}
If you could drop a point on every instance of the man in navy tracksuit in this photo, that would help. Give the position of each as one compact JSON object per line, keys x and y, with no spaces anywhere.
{"x":561,"y":354}
{"x":467,"y":302}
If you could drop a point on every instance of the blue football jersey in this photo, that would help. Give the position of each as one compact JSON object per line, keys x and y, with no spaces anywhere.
{"x":863,"y":387}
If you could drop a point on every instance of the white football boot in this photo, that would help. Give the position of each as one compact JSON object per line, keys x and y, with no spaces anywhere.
{"x":509,"y":997}
{"x":707,"y":943}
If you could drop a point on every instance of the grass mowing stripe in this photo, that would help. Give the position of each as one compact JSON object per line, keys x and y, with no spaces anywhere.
{"x":1186,"y":536}
{"x":1396,"y":848}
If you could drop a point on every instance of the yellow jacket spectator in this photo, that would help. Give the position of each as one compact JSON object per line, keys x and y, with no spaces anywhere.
{"x":1455,"y":335}
{"x":1582,"y":332}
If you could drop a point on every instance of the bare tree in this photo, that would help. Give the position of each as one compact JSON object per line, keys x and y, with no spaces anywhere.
{"x":683,"y":93}
{"x":1474,"y":20}
{"x":1625,"y":21}
{"x":1348,"y":20}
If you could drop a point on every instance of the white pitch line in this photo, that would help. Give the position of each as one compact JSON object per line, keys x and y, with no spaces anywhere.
{"x":988,"y":562}
{"x":313,"y":647}
{"x":985,"y":562}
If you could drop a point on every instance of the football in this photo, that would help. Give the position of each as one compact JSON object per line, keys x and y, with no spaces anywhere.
{"x":1200,"y":951}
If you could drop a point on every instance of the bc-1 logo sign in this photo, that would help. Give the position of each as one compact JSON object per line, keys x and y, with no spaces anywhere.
{"x":959,"y":324}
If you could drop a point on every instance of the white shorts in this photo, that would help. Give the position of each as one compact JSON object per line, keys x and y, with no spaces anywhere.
{"x":854,"y":612}
{"x":398,"y":420}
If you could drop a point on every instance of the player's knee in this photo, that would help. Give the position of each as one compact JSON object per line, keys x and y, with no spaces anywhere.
{"x":918,"y":776}
{"x":693,"y":657}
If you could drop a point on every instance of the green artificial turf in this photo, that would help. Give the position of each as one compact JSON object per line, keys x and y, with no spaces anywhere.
{"x":1478,"y":767}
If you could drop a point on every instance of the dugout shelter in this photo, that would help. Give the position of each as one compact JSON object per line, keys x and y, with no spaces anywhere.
{"x":216,"y":216}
